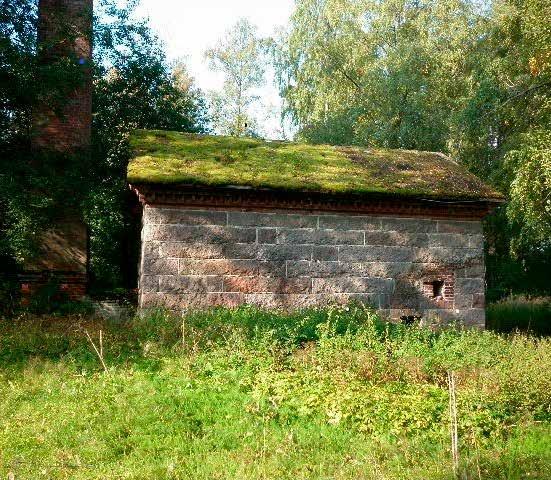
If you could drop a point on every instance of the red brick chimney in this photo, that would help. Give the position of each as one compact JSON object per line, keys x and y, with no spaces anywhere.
{"x":65,"y":35}
{"x":64,"y":38}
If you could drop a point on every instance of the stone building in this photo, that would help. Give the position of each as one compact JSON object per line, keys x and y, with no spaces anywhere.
{"x":240,"y":221}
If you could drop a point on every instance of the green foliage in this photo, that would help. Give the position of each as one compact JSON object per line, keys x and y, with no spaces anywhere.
{"x":23,"y":78}
{"x":467,"y":78}
{"x":49,"y":299}
{"x":25,"y":199}
{"x":173,"y":158}
{"x":239,"y":56}
{"x":330,"y":393}
{"x":17,"y":49}
{"x":9,"y":300}
{"x":36,"y":186}
{"x":134,"y":87}
{"x":520,"y":313}
{"x":530,"y":205}
{"x":376,"y":73}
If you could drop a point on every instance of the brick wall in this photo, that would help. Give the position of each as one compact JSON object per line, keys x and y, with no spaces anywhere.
{"x":200,"y":258}
{"x":65,"y":32}
{"x":71,"y":286}
{"x":63,"y":126}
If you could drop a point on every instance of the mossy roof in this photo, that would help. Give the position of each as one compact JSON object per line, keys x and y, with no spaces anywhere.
{"x":169,"y":158}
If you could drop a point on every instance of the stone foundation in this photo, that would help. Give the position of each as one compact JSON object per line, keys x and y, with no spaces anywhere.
{"x":402,"y":266}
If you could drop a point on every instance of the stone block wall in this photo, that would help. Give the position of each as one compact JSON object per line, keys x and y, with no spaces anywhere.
{"x":403,"y":266}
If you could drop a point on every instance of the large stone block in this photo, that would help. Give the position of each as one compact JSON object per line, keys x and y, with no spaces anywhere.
{"x":183,"y":301}
{"x":469,"y":286}
{"x":349,"y":222}
{"x":179,"y":216}
{"x":458,"y":226}
{"x":283,"y":301}
{"x":455,"y":257}
{"x":284,"y":252}
{"x":200,"y":234}
{"x":325,"y":269}
{"x":319,"y":237}
{"x":231,"y":267}
{"x":463,"y":300}
{"x":149,"y":283}
{"x":383,"y":269}
{"x":159,"y":266}
{"x":402,"y":300}
{"x":292,"y":301}
{"x":397,"y":239}
{"x":151,"y":250}
{"x":266,"y":235}
{"x":259,"y":284}
{"x":207,"y":251}
{"x":473,"y":317}
{"x":190,"y":284}
{"x":318,"y":268}
{"x":256,"y":219}
{"x":368,"y":253}
{"x":369,"y":299}
{"x":161,"y":300}
{"x":325,"y":253}
{"x":449,"y":240}
{"x":471,"y":271}
{"x":412,"y":225}
{"x":352,"y":285}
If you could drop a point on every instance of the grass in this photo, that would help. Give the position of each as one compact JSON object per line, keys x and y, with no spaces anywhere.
{"x":247,"y":394}
{"x":161,"y":157}
{"x":520,"y":313}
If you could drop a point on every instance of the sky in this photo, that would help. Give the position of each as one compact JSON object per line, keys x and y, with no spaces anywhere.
{"x":189,"y":27}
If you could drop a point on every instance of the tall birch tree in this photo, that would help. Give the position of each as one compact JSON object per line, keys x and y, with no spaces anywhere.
{"x":239,"y":56}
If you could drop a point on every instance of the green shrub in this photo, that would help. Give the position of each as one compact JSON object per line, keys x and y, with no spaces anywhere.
{"x":50,"y":299}
{"x":520,"y":313}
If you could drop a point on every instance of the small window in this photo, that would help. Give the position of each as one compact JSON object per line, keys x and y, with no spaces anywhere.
{"x":434,"y":289}
{"x":438,"y":289}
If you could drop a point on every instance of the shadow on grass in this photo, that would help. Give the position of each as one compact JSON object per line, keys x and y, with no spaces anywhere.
{"x":57,"y":338}
{"x":63,"y":338}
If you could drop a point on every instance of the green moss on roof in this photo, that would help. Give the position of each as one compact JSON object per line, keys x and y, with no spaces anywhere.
{"x":162,"y":157}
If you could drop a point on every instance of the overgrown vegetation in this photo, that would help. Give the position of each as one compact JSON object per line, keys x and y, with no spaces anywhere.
{"x":134,"y":87}
{"x":520,"y":313}
{"x":171,"y":158}
{"x":243,"y":393}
